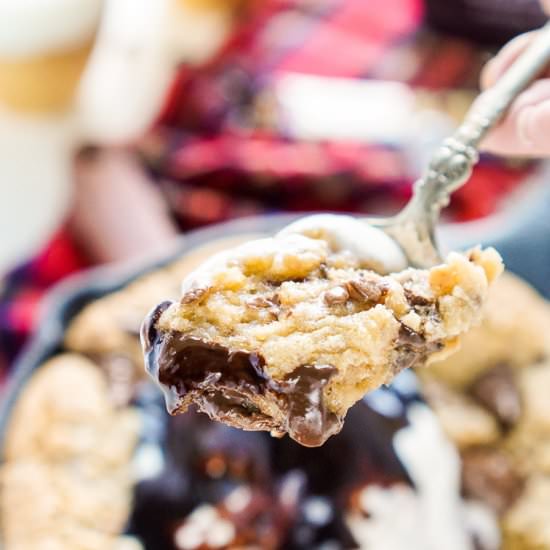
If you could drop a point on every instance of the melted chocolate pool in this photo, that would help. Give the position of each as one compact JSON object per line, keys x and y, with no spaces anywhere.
{"x":233,"y":386}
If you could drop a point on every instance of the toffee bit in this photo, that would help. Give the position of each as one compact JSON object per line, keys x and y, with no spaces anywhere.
{"x":269,"y":307}
{"x":363,"y":290}
{"x":194,"y":295}
{"x":416,"y":299}
{"x":336,"y":296}
{"x":259,"y":302}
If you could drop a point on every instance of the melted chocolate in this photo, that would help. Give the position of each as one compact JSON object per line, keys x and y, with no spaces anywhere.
{"x":497,"y":390}
{"x":279,"y":476}
{"x":309,"y":421}
{"x":412,"y":350}
{"x":489,"y":475}
{"x":234,"y":387}
{"x":148,"y":331}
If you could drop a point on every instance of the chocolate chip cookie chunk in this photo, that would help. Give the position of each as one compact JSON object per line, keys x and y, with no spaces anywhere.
{"x":492,"y":400}
{"x":66,"y":479}
{"x":286,"y":333}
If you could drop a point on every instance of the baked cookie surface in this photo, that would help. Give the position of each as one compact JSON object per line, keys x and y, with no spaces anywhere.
{"x":492,"y":401}
{"x":285,"y":334}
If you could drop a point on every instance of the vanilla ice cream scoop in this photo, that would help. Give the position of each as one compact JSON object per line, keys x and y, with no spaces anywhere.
{"x":371,"y":246}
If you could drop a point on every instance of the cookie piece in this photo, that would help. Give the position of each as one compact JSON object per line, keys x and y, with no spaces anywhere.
{"x":466,"y":423}
{"x":526,"y":525}
{"x":64,"y":413}
{"x":41,"y":500}
{"x":534,"y":384}
{"x":503,"y":369}
{"x":529,"y":442}
{"x":514,"y":331}
{"x":66,"y":476}
{"x":285,"y":334}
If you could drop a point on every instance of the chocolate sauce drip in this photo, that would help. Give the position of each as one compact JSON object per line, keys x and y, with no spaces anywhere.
{"x":234,"y":387}
{"x":148,"y":332}
{"x":186,"y":364}
{"x":309,"y":421}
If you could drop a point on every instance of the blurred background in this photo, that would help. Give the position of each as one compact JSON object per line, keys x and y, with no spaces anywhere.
{"x":124,"y":123}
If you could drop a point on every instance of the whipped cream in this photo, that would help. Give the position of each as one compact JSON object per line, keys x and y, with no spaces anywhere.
{"x":433,"y":515}
{"x":196,"y":33}
{"x":371,"y":246}
{"x":129,"y":71}
{"x":35,"y":27}
{"x":30,"y":207}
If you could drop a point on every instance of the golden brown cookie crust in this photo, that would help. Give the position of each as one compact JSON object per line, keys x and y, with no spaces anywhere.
{"x":292,"y":302}
{"x":66,"y":476}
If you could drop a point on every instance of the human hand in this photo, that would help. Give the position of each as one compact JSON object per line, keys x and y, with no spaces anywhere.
{"x":525,"y":131}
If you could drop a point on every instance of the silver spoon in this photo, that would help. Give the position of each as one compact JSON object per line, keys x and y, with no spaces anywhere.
{"x":451,"y":166}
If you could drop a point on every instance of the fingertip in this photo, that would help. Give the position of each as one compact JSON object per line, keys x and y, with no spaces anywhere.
{"x":503,"y":59}
{"x":523,"y":132}
{"x":533,"y":126}
{"x":493,"y":143}
{"x":488,"y":74}
{"x":526,"y":124}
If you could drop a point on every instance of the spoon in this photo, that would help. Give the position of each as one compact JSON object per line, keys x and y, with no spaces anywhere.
{"x":452,"y":163}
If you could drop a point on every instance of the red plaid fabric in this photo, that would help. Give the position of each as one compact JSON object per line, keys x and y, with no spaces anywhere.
{"x":220,"y":150}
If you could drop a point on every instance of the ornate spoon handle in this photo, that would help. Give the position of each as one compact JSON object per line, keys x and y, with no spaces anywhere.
{"x":452,"y":163}
{"x":491,"y":106}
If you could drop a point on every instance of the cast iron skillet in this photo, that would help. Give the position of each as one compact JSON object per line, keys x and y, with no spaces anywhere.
{"x":522,"y":238}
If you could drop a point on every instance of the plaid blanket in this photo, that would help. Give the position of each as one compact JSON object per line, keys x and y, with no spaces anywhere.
{"x":222,"y":147}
